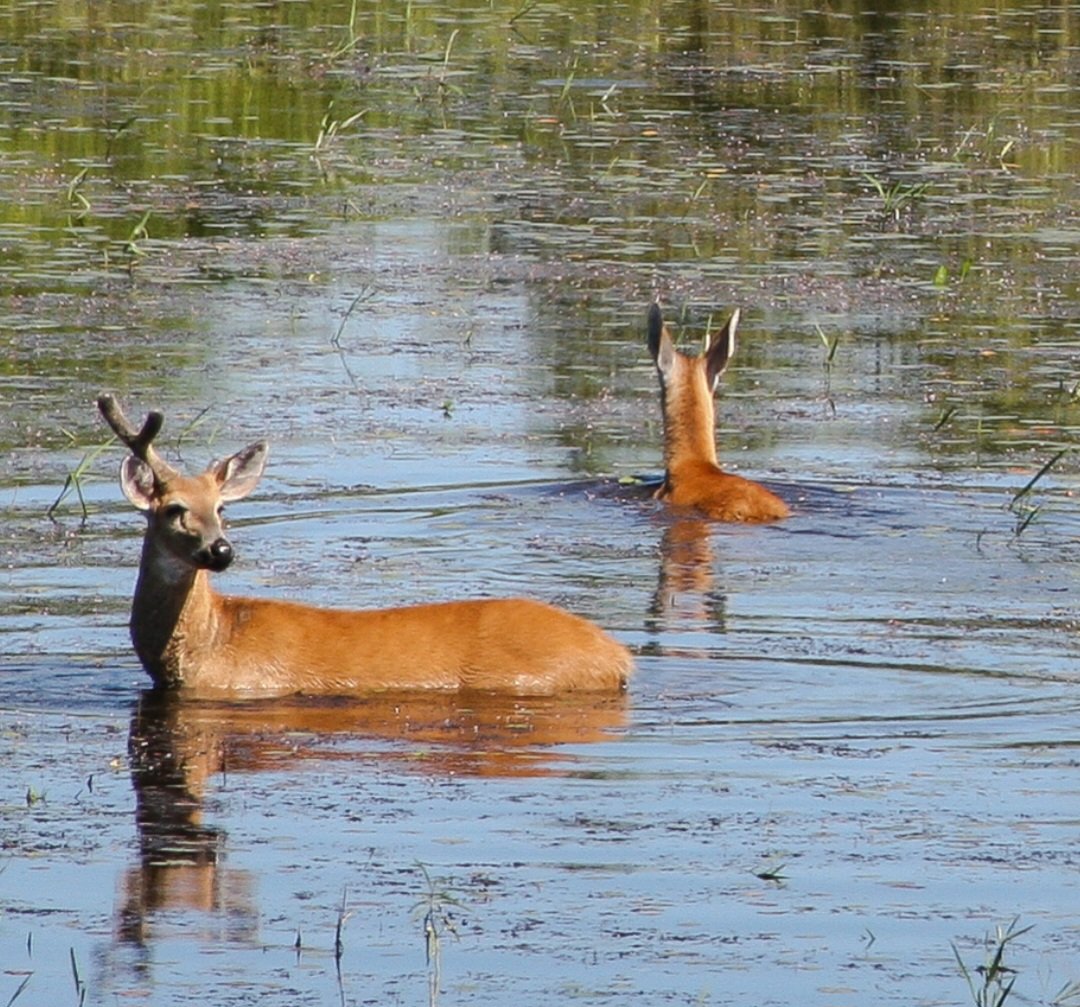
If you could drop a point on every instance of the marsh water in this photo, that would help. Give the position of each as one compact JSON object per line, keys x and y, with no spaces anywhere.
{"x":412,"y":245}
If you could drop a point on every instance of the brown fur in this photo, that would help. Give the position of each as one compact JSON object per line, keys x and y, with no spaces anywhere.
{"x":693,"y":477}
{"x":188,"y":636}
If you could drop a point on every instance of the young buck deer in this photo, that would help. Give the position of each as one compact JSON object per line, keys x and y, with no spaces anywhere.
{"x":693,"y":479}
{"x":189,"y":637}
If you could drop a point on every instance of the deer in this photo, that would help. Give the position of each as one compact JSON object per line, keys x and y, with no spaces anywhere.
{"x":693,"y":479}
{"x":191,"y":639}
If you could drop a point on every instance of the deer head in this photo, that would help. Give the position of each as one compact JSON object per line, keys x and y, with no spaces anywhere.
{"x":184,"y":513}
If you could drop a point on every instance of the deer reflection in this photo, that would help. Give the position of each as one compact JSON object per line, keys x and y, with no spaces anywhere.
{"x":180,"y":747}
{"x":685,"y":590}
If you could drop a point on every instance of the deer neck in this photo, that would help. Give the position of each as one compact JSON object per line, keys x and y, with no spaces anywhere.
{"x":689,"y":425}
{"x":173,"y":614}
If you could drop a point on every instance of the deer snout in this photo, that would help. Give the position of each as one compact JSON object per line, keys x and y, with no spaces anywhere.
{"x":217,"y":555}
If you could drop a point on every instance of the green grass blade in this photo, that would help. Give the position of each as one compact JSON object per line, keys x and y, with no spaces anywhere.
{"x":15,"y":996}
{"x":1038,"y":475}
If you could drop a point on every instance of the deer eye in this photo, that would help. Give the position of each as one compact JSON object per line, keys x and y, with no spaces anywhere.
{"x":174,"y":511}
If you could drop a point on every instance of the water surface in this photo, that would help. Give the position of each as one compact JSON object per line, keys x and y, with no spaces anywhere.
{"x":415,"y":253}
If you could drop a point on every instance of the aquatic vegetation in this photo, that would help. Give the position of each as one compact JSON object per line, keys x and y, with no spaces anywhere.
{"x":80,"y":984}
{"x":896,"y":196}
{"x":1070,"y":393}
{"x":343,"y":917}
{"x":330,"y":127}
{"x":352,"y":36}
{"x":987,"y":145}
{"x":138,"y":233}
{"x":946,"y":414}
{"x":993,"y":981}
{"x":1027,"y":512}
{"x":74,"y":193}
{"x":773,"y":872}
{"x":943,"y":275}
{"x":19,"y":989}
{"x":523,"y":10}
{"x":366,"y":294}
{"x":1068,"y":994}
{"x":433,"y":911}
{"x":830,"y":345}
{"x":74,"y":479}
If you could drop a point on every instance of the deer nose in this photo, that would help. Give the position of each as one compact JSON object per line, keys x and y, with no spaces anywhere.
{"x":219,"y":554}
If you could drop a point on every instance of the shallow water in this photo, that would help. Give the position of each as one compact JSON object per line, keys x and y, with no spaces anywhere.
{"x":435,"y":314}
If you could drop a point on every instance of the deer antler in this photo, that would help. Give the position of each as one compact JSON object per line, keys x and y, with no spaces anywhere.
{"x":139,"y":441}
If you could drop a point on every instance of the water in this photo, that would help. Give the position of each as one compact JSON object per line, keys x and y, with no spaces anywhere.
{"x":416,"y":255}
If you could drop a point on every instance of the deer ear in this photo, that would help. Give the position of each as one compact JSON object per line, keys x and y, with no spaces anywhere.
{"x":137,"y":482}
{"x":720,"y":351}
{"x":239,"y":474}
{"x":661,"y":345}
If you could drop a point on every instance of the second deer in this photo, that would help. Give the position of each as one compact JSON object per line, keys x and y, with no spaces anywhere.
{"x":693,"y":477}
{"x":192,"y":638}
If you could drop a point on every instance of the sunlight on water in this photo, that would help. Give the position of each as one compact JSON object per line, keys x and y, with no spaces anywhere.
{"x":412,"y":245}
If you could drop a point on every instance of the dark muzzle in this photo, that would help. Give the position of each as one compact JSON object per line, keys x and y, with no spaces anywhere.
{"x":216,"y":556}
